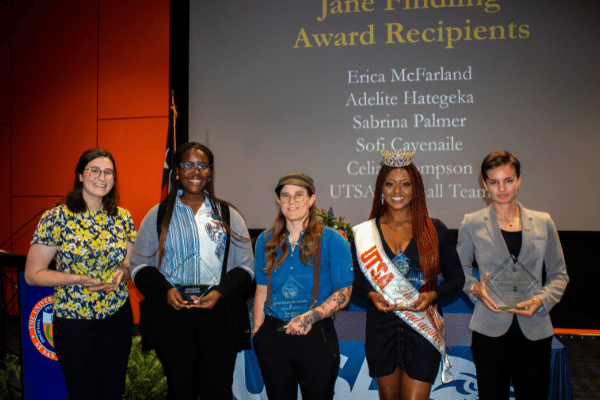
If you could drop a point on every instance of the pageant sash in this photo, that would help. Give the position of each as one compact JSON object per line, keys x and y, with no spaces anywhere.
{"x":395,"y":288}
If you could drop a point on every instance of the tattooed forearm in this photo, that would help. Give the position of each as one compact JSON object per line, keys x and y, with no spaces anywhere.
{"x":302,"y":324}
{"x":313,"y":316}
{"x":341,"y":298}
{"x":334,"y":303}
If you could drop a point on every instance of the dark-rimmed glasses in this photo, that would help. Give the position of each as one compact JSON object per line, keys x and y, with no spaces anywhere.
{"x":95,"y":172}
{"x":188,"y":167}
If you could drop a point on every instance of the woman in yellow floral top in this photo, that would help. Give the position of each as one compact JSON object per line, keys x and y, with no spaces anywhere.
{"x":91,"y":239}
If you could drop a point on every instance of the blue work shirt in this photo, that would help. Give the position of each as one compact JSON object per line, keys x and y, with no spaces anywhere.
{"x":336,"y":265}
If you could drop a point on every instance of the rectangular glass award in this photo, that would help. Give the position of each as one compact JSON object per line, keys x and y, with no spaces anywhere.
{"x":404,"y":294}
{"x":414,"y":280}
{"x":512,"y":284}
{"x":96,"y":261}
{"x":289,"y":300}
{"x":198,"y":278}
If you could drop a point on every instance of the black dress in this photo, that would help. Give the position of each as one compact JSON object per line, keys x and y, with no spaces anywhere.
{"x":390,"y":342}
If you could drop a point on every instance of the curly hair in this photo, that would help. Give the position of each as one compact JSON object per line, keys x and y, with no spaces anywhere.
{"x":74,"y":199}
{"x":423,"y":230}
{"x":308,"y":243}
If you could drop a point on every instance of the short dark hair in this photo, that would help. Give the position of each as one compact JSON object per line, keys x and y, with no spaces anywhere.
{"x":498,"y":158}
{"x":74,"y":199}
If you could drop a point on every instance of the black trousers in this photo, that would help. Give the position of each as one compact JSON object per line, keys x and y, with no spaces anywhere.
{"x":512,"y":356}
{"x":194,"y":349}
{"x":93,"y":354}
{"x":311,"y":360}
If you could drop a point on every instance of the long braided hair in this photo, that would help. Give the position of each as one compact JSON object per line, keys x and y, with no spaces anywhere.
{"x":423,"y":230}
{"x":175,"y":185}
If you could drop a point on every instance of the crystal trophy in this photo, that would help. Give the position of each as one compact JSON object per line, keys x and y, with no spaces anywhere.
{"x":96,"y":261}
{"x":403,"y":294}
{"x":415,"y":280}
{"x":199,"y":278}
{"x":512,"y":284}
{"x":289,"y":300}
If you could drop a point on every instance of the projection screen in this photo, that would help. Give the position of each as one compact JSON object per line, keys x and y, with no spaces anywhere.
{"x":321,"y":86}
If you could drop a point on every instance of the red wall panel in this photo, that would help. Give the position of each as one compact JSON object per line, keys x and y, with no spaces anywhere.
{"x":5,"y":209}
{"x":54,"y":92}
{"x":4,"y":63}
{"x":133,"y":59}
{"x":25,"y":208}
{"x":138,"y":146}
{"x":64,"y":67}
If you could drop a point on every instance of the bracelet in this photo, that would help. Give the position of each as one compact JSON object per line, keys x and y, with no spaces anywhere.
{"x":471,"y":290}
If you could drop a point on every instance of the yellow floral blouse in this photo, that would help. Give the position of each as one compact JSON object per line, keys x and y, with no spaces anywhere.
{"x":90,"y":243}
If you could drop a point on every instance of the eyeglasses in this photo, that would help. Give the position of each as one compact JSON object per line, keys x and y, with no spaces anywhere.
{"x":286,"y":198}
{"x":95,"y":172}
{"x":188,"y":167}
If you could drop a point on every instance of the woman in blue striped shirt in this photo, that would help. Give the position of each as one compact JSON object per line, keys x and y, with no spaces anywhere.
{"x":193,"y":262}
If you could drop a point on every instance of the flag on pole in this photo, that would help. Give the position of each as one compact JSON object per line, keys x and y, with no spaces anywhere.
{"x":170,"y":148}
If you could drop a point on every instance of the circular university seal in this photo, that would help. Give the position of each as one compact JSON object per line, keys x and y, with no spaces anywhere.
{"x":40,"y":327}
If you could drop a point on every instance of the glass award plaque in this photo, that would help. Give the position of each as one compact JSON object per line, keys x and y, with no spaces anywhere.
{"x":416,"y":279}
{"x":199,"y":278}
{"x":404,"y":291}
{"x":512,"y":284}
{"x":89,"y":258}
{"x":289,"y":300}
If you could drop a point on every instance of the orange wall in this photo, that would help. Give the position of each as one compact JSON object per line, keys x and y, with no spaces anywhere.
{"x":74,"y":75}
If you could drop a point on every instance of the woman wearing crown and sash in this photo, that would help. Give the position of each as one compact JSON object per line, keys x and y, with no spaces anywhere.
{"x":303,"y":277}
{"x":399,"y":254}
{"x":510,"y":343}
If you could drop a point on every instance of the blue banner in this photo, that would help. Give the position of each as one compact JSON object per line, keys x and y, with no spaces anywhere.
{"x":42,"y":376}
{"x":354,"y":382}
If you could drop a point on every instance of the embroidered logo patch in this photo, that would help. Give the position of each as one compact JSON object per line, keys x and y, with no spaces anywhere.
{"x":40,"y":327}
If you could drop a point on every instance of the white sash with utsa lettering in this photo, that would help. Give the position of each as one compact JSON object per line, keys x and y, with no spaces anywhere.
{"x":388,"y":281}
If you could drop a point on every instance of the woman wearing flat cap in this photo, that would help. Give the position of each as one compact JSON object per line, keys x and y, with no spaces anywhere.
{"x":304,"y":276}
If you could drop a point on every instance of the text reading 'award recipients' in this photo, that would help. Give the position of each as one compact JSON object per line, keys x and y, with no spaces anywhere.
{"x":400,"y":33}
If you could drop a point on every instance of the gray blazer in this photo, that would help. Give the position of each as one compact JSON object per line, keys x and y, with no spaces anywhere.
{"x":480,"y":239}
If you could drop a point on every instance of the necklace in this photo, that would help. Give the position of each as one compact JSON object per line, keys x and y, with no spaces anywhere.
{"x":513,"y":225}
{"x":397,"y":228}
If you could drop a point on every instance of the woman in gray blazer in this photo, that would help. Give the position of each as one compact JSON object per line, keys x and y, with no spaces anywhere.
{"x":510,"y":343}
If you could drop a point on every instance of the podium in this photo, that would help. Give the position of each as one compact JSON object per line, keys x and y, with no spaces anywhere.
{"x":42,"y":376}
